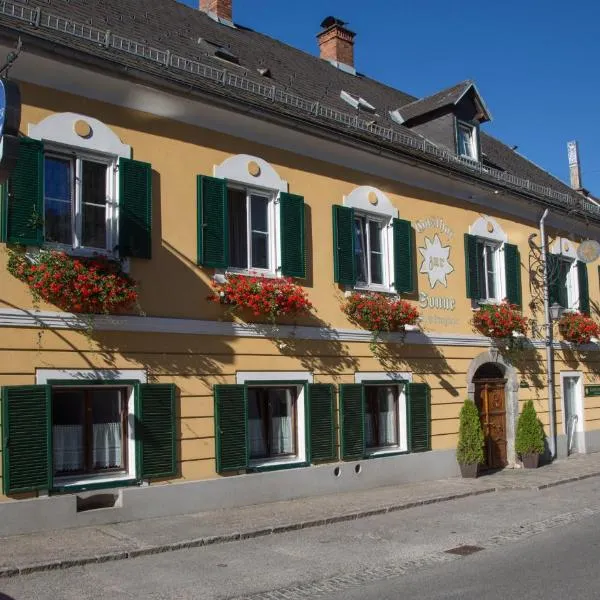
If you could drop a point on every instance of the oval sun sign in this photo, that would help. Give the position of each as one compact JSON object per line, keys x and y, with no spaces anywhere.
{"x":588,"y":251}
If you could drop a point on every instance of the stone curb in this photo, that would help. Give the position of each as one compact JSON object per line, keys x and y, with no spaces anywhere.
{"x":237,"y":536}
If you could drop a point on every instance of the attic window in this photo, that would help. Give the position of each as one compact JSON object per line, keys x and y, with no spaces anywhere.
{"x":219,"y":51}
{"x":466,"y":140}
{"x":358,"y":103}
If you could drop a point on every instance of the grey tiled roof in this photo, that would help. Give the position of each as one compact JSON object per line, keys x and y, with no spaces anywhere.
{"x":187,"y":32}
{"x":430,"y":103}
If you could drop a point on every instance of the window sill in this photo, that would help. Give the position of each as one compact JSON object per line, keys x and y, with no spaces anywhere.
{"x":221,"y":275}
{"x":387,"y":452}
{"x":66,"y":485}
{"x":294,"y":463}
{"x":33,"y":252}
{"x":373,"y":288}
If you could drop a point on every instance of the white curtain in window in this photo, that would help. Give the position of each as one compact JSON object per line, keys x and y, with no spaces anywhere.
{"x":258,"y":446}
{"x":282,"y":435}
{"x":107,"y":449}
{"x":68,"y":447}
{"x":387,"y":416}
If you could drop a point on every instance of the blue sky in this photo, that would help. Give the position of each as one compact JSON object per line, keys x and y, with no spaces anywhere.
{"x":535,"y":66}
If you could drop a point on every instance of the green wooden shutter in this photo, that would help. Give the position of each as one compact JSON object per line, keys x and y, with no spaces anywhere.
{"x":231,"y":427}
{"x":322,"y":434}
{"x":291,"y":227}
{"x":554,"y":280}
{"x":419,"y":417}
{"x":404,"y":269}
{"x":352,"y":420}
{"x":26,"y":436}
{"x":213,"y":230}
{"x":135,"y":208}
{"x":584,"y":288}
{"x":157,"y":436}
{"x":23,"y":208}
{"x":472,"y":267}
{"x":343,"y":245}
{"x":512,"y":264}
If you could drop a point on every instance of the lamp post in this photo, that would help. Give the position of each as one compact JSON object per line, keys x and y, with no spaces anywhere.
{"x":556,"y":311}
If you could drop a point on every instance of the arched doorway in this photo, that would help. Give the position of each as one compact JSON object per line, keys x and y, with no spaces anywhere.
{"x":489,"y":397}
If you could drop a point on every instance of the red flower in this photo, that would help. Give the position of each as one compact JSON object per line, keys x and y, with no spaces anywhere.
{"x":499,"y":321}
{"x":379,"y":312}
{"x":578,"y":328}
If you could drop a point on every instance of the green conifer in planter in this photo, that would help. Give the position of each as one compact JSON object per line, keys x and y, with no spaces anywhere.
{"x":469,"y":452}
{"x":529,"y":442}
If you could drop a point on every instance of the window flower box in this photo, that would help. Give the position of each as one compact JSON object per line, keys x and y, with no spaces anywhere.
{"x":380,"y":312}
{"x":578,"y":328}
{"x":500,"y":321}
{"x":80,"y":285}
{"x":271,"y":297}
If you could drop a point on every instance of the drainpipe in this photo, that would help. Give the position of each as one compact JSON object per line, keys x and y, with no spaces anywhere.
{"x":549,"y":342}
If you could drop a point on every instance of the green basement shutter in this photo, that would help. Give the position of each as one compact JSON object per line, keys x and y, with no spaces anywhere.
{"x":26,"y":431}
{"x":584,"y":288}
{"x":352,"y":420}
{"x":343,"y":245}
{"x":135,"y":208}
{"x":322,"y":435}
{"x":23,"y":206}
{"x":554,"y":282}
{"x":213,"y":232}
{"x":472,"y":267}
{"x":291,"y":227}
{"x":512,"y":264}
{"x":157,"y":416}
{"x":419,"y":417}
{"x":231,"y":427}
{"x":404,"y":271}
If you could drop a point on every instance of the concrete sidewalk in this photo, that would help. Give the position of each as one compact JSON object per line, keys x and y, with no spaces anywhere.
{"x":72,"y":547}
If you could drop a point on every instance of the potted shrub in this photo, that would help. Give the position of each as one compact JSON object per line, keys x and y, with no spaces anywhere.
{"x":500,"y":320}
{"x":469,"y":451}
{"x":578,"y":328}
{"x":529,"y":442}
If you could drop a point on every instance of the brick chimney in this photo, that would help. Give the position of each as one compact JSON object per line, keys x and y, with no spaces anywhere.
{"x":221,"y":9}
{"x":336,"y":44}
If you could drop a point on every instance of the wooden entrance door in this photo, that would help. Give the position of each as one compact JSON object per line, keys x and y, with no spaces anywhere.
{"x":489,"y":398}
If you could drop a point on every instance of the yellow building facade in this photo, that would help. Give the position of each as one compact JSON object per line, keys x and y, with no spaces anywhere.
{"x":180,"y":407}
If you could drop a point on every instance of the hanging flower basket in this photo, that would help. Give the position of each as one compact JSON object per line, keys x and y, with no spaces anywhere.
{"x":272,"y":298}
{"x":379,"y":312}
{"x":578,"y":328}
{"x":500,"y":320}
{"x":80,"y":285}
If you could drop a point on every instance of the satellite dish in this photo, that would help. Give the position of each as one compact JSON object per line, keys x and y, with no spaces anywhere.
{"x":588,"y":251}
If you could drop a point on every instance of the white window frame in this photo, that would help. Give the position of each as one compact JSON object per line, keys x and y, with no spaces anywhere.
{"x":497,"y":250}
{"x":76,"y":157}
{"x":86,"y":377}
{"x":565,"y":250}
{"x":274,"y":249}
{"x":266,"y":379}
{"x":580,"y":391}
{"x":387,"y":244}
{"x":401,"y":380}
{"x":465,"y":128}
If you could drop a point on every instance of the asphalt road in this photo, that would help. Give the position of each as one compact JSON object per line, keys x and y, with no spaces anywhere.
{"x":535,"y":544}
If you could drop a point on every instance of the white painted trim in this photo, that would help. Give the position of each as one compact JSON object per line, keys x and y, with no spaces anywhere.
{"x":248,"y":376}
{"x":564,"y":247}
{"x":365,"y":376}
{"x":32,"y":319}
{"x":235,"y":169}
{"x":480,"y":229}
{"x":42,"y":376}
{"x":60,"y":128}
{"x":580,"y":408}
{"x":358,"y":198}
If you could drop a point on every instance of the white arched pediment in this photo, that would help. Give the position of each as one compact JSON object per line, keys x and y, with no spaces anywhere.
{"x":489,"y":229}
{"x":252,"y":171}
{"x":79,"y":131}
{"x":564,"y":247}
{"x":370,"y":199}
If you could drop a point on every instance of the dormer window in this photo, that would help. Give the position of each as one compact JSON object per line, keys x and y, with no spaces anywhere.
{"x":466,"y":140}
